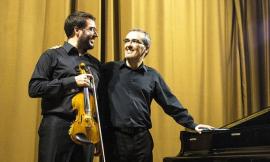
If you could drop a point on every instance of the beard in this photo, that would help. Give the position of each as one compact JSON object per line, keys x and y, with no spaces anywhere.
{"x":85,"y":43}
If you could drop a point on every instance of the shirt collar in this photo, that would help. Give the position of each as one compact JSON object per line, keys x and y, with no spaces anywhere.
{"x":70,"y":49}
{"x":141,"y":68}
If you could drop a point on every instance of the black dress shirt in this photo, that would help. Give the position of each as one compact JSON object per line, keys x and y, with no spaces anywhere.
{"x":128,"y":93}
{"x":54,"y":79}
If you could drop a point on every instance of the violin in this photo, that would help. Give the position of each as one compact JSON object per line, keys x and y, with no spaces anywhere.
{"x":86,"y":127}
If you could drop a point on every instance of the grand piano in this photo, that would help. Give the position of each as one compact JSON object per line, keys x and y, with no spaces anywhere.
{"x":245,"y":140}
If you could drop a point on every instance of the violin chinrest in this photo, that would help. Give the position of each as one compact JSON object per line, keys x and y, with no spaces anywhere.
{"x":82,"y":138}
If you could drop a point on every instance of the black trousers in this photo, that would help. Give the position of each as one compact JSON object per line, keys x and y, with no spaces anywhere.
{"x":129,"y":145}
{"x":55,"y":144}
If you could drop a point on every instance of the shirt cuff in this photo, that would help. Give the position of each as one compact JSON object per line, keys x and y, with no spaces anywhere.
{"x":69,"y":82}
{"x":193,"y":126}
{"x":190,"y":125}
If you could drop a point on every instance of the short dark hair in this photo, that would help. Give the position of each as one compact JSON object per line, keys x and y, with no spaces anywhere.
{"x":146,"y":40}
{"x":76,"y":19}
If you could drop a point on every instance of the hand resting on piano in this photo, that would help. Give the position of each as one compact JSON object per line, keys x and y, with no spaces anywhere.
{"x":202,"y":127}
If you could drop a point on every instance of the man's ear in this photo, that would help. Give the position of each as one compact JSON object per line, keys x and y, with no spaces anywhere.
{"x":146,"y":50}
{"x":76,"y":30}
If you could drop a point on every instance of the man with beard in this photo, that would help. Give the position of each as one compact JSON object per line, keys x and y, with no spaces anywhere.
{"x":56,"y":81}
{"x":129,"y":87}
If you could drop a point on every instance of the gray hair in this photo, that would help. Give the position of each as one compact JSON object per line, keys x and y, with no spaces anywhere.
{"x":146,"y":40}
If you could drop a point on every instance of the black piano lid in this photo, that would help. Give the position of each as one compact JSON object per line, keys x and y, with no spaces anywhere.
{"x":259,"y":118}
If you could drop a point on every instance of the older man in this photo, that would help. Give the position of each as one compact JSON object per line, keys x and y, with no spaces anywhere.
{"x":129,"y":87}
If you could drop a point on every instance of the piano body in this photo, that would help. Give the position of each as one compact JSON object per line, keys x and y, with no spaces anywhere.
{"x":245,"y":140}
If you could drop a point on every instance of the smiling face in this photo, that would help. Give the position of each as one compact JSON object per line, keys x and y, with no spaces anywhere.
{"x":134,"y":46}
{"x":87,"y":36}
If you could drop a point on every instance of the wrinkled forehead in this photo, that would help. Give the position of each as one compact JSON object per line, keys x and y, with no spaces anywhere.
{"x":135,"y":35}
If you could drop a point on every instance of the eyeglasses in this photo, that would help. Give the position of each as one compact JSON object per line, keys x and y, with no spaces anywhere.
{"x":92,"y":29}
{"x":137,"y":41}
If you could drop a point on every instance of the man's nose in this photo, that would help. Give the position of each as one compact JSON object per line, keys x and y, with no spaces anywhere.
{"x":129,"y":46}
{"x":95,"y":33}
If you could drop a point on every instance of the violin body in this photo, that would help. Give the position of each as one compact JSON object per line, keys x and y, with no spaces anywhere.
{"x":86,"y":127}
{"x":84,"y":123}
